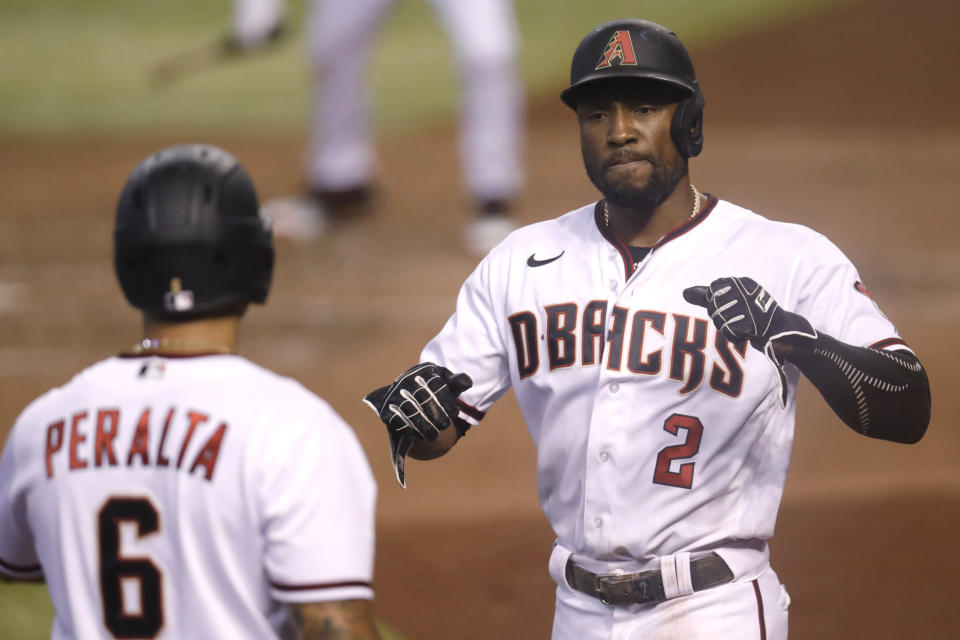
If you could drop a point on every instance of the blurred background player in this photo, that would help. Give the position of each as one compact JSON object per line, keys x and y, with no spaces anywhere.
{"x":178,"y":490}
{"x":340,"y":154}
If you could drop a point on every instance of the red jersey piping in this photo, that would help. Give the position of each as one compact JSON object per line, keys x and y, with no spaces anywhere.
{"x":470,"y":410}
{"x":888,"y":342}
{"x":19,"y":568}
{"x":199,"y":354}
{"x":322,"y":585}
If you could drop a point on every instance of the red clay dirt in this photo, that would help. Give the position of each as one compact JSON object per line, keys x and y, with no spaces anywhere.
{"x":844,"y":122}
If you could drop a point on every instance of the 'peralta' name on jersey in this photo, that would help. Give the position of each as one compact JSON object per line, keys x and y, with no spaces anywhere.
{"x":90,"y":440}
{"x":571,"y":337}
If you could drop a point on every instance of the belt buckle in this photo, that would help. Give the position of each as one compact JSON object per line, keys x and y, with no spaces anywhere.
{"x":616,"y":589}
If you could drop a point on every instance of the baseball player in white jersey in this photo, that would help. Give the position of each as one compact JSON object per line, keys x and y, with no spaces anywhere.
{"x":340,"y":154}
{"x":656,"y":376}
{"x":178,"y":490}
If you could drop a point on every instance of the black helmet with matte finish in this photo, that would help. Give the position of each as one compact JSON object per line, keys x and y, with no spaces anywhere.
{"x":190,"y":238}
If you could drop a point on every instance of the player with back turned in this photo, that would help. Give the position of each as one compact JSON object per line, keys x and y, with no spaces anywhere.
{"x":654,"y":340}
{"x":178,"y":490}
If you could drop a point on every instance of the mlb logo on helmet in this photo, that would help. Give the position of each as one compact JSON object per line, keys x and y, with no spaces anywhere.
{"x":619,"y":48}
{"x":177,"y":299}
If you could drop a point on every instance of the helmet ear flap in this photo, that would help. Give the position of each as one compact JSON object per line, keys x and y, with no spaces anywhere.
{"x":686,"y":129}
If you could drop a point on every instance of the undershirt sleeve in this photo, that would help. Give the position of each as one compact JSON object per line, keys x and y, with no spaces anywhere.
{"x":878,"y":393}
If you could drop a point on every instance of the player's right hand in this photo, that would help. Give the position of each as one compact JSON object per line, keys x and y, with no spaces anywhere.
{"x":421,"y":402}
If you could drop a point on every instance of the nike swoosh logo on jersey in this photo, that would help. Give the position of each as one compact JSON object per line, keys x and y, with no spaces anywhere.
{"x":533,"y":262}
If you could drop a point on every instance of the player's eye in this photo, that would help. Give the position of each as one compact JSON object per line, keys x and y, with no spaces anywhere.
{"x":593,"y":114}
{"x":644,"y":110}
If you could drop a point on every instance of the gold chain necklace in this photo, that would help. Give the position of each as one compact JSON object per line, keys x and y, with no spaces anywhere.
{"x":696,"y":207}
{"x":155,"y":345}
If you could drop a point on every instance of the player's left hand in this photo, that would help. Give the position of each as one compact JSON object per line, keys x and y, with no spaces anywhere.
{"x":743,"y":310}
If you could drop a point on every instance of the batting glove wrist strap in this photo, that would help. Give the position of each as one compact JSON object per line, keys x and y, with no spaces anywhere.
{"x":419,"y":404}
{"x":742,"y":310}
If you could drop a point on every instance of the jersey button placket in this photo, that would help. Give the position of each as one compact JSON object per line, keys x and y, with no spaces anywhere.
{"x":601,"y":481}
{"x":600,"y":486}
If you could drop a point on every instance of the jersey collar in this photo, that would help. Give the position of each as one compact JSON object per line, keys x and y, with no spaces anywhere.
{"x":171,"y":356}
{"x":624,"y":251}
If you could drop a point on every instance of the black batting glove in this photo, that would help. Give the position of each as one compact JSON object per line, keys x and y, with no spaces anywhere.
{"x":742,"y":310}
{"x":419,"y":404}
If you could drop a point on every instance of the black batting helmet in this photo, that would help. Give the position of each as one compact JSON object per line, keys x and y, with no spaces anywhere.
{"x":646,"y":50}
{"x":190,"y":239}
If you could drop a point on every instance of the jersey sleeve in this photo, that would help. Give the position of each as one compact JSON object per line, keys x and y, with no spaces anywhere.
{"x":471,"y":342}
{"x":836,"y":302}
{"x":317,"y":496}
{"x":18,"y":556}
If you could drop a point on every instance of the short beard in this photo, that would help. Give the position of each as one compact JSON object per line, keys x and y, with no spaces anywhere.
{"x":646,"y":199}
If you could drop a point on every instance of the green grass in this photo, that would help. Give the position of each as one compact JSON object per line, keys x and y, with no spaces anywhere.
{"x":27,"y":614}
{"x":25,"y":611}
{"x":78,"y":66}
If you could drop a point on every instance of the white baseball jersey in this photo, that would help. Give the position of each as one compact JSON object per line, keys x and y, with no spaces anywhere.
{"x":655,"y":435}
{"x":185,"y":498}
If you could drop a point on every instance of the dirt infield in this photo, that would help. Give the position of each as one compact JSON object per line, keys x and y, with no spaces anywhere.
{"x":841,"y":122}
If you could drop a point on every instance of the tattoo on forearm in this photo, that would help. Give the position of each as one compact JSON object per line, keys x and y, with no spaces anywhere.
{"x":340,"y":620}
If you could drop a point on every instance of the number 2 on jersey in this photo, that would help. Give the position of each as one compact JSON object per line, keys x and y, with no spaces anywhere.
{"x":115,"y":570}
{"x":683,"y":476}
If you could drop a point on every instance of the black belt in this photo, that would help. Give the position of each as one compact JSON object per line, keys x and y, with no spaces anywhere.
{"x":645,"y":586}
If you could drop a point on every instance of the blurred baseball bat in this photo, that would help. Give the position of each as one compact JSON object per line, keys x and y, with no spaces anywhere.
{"x":176,"y":66}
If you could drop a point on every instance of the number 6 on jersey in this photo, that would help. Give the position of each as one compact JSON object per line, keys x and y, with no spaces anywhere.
{"x":122,"y":619}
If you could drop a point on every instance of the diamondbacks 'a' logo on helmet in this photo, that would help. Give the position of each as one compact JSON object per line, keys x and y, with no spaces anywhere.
{"x":619,"y":48}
